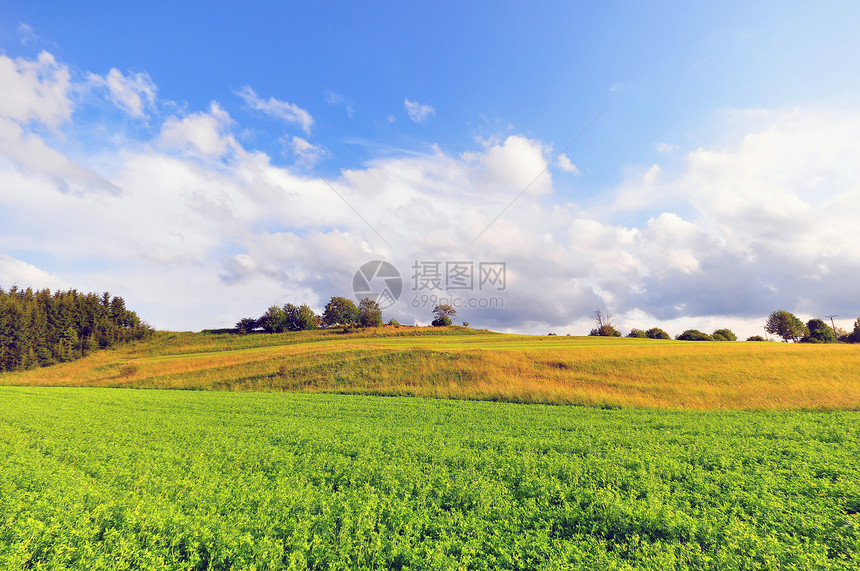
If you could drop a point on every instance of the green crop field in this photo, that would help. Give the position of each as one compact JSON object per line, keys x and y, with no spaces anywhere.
{"x":96,"y":478}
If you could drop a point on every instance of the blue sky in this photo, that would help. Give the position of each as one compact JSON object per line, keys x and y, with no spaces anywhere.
{"x":725,"y":136}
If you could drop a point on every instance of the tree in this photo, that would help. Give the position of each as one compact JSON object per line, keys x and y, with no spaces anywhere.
{"x":637,"y":334}
{"x":246,"y":325}
{"x":854,"y":336}
{"x":756,"y":338}
{"x":605,"y":325}
{"x":340,"y":311}
{"x":443,"y":314}
{"x":301,"y":318}
{"x":369,"y":313}
{"x":819,"y":332}
{"x":724,"y":335}
{"x":693,"y":335}
{"x":274,"y":320}
{"x":656,"y":333}
{"x":786,"y":325}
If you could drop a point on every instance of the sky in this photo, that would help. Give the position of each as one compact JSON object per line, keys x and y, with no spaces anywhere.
{"x":676,"y":164}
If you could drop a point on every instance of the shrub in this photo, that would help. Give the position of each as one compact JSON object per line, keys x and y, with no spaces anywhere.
{"x":441,"y":321}
{"x":637,"y":334}
{"x":393,"y":322}
{"x":129,"y":370}
{"x":693,"y":335}
{"x":724,"y":335}
{"x":246,"y":325}
{"x":819,"y":332}
{"x":756,"y":338}
{"x":605,"y":331}
{"x":656,"y":333}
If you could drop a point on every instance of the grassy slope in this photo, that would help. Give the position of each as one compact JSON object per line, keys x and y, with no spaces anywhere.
{"x":466,"y":364}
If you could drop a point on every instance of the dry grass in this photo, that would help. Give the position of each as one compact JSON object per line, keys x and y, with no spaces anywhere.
{"x":463,"y":364}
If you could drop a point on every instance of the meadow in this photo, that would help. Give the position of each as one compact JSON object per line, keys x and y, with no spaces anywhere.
{"x":460,"y":363}
{"x":142,"y":479}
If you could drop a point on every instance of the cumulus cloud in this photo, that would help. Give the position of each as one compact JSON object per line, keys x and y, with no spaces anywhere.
{"x":308,"y":152}
{"x":22,"y":274}
{"x":565,"y":164}
{"x":203,"y":231}
{"x":134,"y":94}
{"x":35,"y":90}
{"x":515,"y":165}
{"x":278,"y":109}
{"x":418,"y":112}
{"x":205,"y":133}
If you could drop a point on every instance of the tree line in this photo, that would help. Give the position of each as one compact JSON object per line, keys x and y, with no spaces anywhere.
{"x":781,"y":323}
{"x":339,"y":311}
{"x":40,"y":328}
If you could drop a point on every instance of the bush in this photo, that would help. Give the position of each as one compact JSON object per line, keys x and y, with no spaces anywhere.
{"x":724,"y":335}
{"x":656,"y":333}
{"x":441,"y":321}
{"x":756,"y":338}
{"x":819,"y":332}
{"x":693,"y":335}
{"x":128,"y":370}
{"x":393,"y":322}
{"x":605,"y":331}
{"x":637,"y":334}
{"x":246,"y":325}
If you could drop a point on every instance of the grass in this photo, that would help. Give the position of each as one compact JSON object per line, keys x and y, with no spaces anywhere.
{"x":460,"y":363}
{"x":179,"y":480}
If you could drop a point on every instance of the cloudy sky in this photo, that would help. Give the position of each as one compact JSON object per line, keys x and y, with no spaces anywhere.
{"x":676,"y":164}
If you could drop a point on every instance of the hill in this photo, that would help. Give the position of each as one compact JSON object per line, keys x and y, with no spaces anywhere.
{"x":461,"y":363}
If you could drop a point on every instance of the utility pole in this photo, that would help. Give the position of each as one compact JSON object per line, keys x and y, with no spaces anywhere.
{"x":830,"y":317}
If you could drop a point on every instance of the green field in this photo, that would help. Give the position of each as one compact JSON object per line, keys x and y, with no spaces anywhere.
{"x":137,"y":479}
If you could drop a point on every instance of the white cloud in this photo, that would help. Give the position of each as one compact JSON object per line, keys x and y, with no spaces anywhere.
{"x":665,"y":147}
{"x":22,"y":274}
{"x":134,"y":93}
{"x":512,"y":166}
{"x":38,"y":91}
{"x":27,"y":33}
{"x":652,"y":175}
{"x":204,"y":133}
{"x":418,"y":112}
{"x":201,"y":231}
{"x":335,"y":99}
{"x":565,"y":164}
{"x":278,"y":109}
{"x":30,"y":154}
{"x":308,"y":152}
{"x":35,"y":90}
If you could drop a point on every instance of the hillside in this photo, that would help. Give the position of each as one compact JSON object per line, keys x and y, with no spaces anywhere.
{"x":461,"y":363}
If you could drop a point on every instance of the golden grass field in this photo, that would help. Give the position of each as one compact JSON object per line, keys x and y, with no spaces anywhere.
{"x":461,"y":363}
